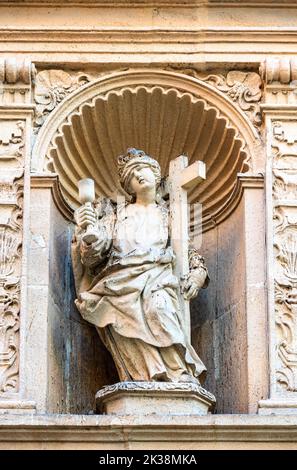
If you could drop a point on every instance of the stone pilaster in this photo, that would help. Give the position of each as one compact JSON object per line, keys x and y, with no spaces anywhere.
{"x":280,"y":110}
{"x":15,"y":128}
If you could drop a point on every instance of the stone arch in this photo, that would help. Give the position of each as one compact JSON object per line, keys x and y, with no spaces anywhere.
{"x":163,"y":112}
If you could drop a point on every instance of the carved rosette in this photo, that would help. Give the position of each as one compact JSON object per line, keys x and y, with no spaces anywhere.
{"x":11,"y":197}
{"x":285,"y":251}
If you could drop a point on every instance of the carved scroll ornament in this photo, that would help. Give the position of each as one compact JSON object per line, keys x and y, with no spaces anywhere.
{"x":52,"y":87}
{"x":243,"y":88}
{"x":285,"y":249}
{"x":11,"y":196}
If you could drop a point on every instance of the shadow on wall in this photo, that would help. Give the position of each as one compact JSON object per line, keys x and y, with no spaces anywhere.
{"x":218,"y":315}
{"x":79,"y":363}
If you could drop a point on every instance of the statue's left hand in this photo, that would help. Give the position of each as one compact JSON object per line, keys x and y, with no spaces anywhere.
{"x":193,"y":282}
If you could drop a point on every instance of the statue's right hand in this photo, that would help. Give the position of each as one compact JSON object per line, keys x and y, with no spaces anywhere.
{"x":85,"y":216}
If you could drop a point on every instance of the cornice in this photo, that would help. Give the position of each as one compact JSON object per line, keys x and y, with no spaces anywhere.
{"x":152,"y":3}
{"x":224,"y":431}
{"x":51,"y":181}
{"x":148,"y":33}
{"x":211,"y":46}
{"x":244,"y":181}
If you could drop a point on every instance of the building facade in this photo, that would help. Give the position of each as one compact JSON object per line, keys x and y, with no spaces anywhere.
{"x":80,"y":81}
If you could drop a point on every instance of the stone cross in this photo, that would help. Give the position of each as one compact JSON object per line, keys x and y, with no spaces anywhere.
{"x":180,"y":180}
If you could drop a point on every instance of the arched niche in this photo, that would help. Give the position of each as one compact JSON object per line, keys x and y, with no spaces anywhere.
{"x":164,"y":113}
{"x":167,"y":114}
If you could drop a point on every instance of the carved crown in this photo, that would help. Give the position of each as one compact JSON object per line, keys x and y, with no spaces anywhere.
{"x":131,"y":154}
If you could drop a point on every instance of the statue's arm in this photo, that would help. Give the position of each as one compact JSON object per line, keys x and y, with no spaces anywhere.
{"x":92,"y":254}
{"x":197,"y":277}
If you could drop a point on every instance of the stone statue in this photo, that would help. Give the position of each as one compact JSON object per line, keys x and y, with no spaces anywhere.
{"x":126,"y":287}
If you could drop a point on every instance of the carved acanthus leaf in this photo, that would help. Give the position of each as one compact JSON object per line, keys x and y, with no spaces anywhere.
{"x":9,"y":335}
{"x":11,"y":143}
{"x":243,"y":88}
{"x":10,"y":244}
{"x":284,"y":185}
{"x":11,"y":214}
{"x":156,"y":387}
{"x":10,"y":272}
{"x":284,"y":170}
{"x":52,"y":87}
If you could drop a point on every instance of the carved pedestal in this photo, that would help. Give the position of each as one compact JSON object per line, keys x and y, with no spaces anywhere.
{"x":159,"y":398}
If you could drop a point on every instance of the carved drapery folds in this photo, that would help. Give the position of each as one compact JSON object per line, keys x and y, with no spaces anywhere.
{"x":11,"y":196}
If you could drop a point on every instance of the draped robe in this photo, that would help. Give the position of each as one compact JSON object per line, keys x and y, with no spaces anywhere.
{"x":132,"y":298}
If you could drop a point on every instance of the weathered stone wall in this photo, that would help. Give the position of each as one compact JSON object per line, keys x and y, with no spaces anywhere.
{"x":61,"y":362}
{"x":68,"y":362}
{"x":78,"y":362}
{"x":229,"y":321}
{"x":218,"y":315}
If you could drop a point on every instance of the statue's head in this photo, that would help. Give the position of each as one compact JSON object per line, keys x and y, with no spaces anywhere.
{"x":132,"y":163}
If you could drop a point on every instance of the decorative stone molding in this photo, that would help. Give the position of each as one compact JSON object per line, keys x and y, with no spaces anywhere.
{"x":13,"y":71}
{"x":93,"y":432}
{"x":279,"y":69}
{"x":161,"y":398}
{"x":52,"y":87}
{"x":15,"y":81}
{"x":284,"y":168}
{"x":11,"y":202}
{"x":280,"y":79}
{"x":243,"y":88}
{"x":16,"y":112}
{"x":51,"y":180}
{"x":12,"y":143}
{"x":280,"y":111}
{"x":157,"y":386}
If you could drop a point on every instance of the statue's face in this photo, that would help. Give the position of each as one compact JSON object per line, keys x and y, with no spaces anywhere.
{"x":143,"y":179}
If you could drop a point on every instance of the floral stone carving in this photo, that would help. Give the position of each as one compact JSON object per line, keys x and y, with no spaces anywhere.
{"x":244,"y":88}
{"x":52,"y":87}
{"x":285,"y":248}
{"x":11,"y":202}
{"x":10,"y":270}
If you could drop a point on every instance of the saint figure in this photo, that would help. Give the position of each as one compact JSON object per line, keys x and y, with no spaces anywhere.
{"x":125,"y":279}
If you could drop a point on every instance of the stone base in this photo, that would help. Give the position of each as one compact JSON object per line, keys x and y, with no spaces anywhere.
{"x":277,"y":407}
{"x":159,"y":398}
{"x":183,"y":433}
{"x":17,"y":406}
